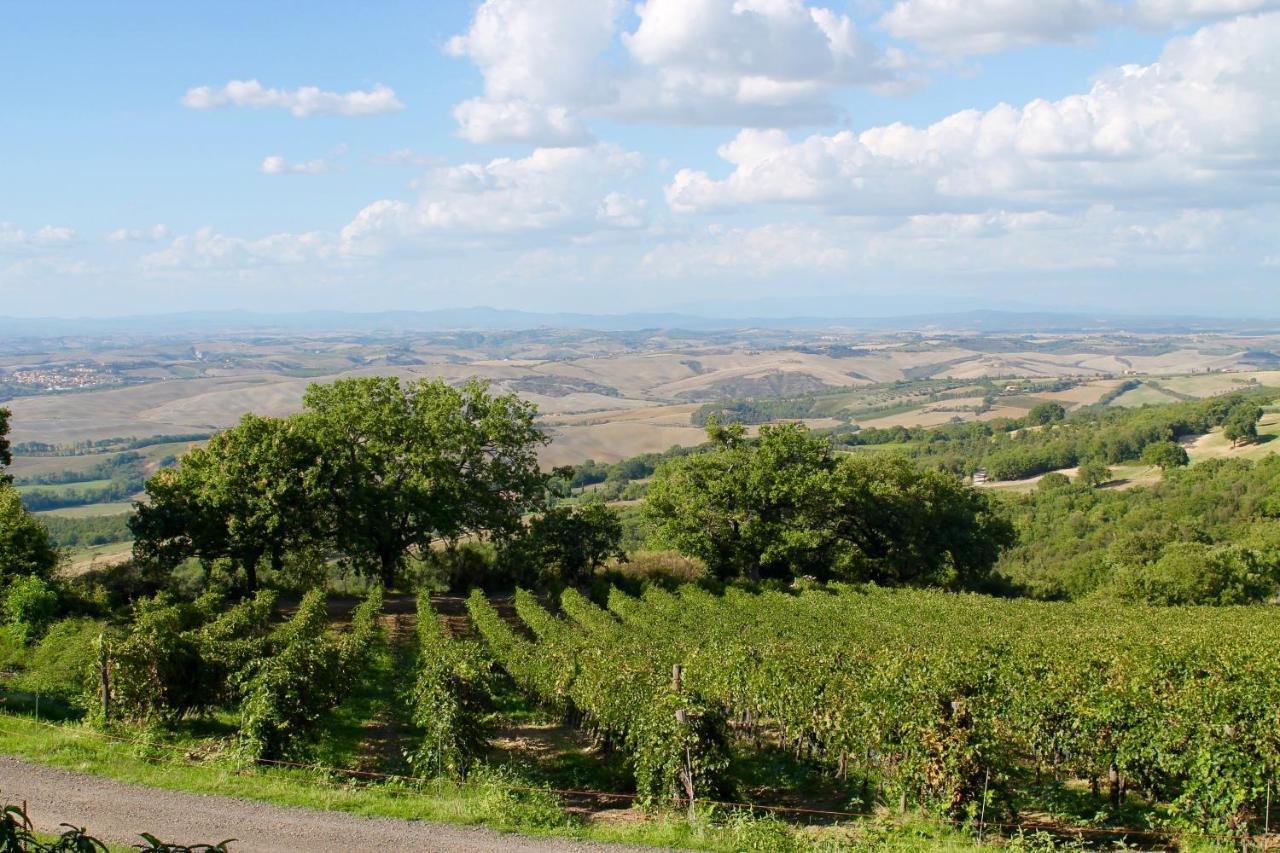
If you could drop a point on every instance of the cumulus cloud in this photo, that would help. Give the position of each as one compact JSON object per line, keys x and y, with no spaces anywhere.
{"x":989,"y":26}
{"x":206,"y":249}
{"x":553,"y":190}
{"x":301,"y":102}
{"x":1200,"y":126}
{"x":154,"y":234}
{"x":686,"y":61}
{"x":16,"y":238}
{"x":277,"y":165}
{"x":541,"y":64}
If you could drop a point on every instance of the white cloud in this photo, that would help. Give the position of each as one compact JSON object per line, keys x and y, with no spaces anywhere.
{"x":759,"y":252}
{"x":482,"y":120}
{"x":687,"y":61}
{"x":1171,"y":13}
{"x":206,"y":249}
{"x":46,"y":266}
{"x":406,"y":157}
{"x":988,"y":26}
{"x":714,"y":60}
{"x":277,"y":165}
{"x":541,"y":62}
{"x":553,"y":190}
{"x":1198,"y":127}
{"x":154,"y":234}
{"x":15,"y":238}
{"x":301,"y":102}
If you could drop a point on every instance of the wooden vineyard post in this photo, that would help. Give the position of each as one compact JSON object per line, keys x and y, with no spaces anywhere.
{"x":682,"y":717}
{"x":1266,"y":820}
{"x":103,"y":663}
{"x":982,"y":819}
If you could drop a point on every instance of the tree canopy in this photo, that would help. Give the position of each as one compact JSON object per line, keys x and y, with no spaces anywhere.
{"x":251,"y":493}
{"x":1166,"y":455}
{"x":405,"y":465}
{"x":1241,"y":424}
{"x":25,"y":548}
{"x":1046,"y":413}
{"x":784,"y":504}
{"x":1077,"y":541}
{"x":370,"y":469}
{"x":1094,"y":472}
{"x":6,"y":453}
{"x":569,"y":543}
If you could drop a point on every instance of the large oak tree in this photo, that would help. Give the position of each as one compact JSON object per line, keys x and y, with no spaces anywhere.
{"x":407,"y":464}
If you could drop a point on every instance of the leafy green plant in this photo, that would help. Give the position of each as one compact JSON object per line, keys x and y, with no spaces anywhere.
{"x":29,"y":607}
{"x":449,"y":700}
{"x":304,"y":674}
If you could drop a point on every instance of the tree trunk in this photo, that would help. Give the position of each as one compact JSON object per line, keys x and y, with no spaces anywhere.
{"x":388,"y":562}
{"x":251,"y":571}
{"x":1113,"y":779}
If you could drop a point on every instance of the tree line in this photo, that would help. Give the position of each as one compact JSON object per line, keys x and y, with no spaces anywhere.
{"x":1049,"y":439}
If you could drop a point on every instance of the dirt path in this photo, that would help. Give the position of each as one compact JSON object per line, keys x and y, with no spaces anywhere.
{"x":117,"y":812}
{"x":383,"y":741}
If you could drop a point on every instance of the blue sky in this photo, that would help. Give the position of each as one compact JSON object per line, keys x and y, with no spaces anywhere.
{"x":722,"y":156}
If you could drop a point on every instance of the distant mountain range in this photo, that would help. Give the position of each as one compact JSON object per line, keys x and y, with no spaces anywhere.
{"x":243,"y":322}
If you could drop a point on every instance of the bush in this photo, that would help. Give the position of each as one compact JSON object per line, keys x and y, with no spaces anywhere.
{"x":1166,"y":455}
{"x":449,"y":700}
{"x":232,"y":642}
{"x":63,"y":663}
{"x":29,"y":607}
{"x":459,"y":567}
{"x":302,"y":678}
{"x":667,"y":568}
{"x":155,"y":668}
{"x":1053,"y":481}
{"x":1196,"y":573}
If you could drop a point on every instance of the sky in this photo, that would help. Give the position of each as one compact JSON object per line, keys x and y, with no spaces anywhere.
{"x":720,"y":157}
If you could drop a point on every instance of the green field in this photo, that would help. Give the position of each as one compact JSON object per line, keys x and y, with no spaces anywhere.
{"x":64,"y":488}
{"x":1143,"y":395}
{"x":89,"y":510}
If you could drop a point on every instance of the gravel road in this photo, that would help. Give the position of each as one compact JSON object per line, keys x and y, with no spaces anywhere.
{"x":116,"y":812}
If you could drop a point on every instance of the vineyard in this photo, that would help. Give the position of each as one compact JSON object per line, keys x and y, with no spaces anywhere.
{"x":952,"y":703}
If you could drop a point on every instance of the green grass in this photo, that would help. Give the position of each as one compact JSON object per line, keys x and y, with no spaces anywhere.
{"x":89,"y":552}
{"x":1142,"y":395}
{"x":490,"y":798}
{"x":91,"y":510}
{"x":1215,"y":444}
{"x":63,"y":488}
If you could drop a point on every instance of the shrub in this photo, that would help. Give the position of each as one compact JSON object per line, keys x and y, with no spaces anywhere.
{"x":63,"y":663}
{"x":29,"y":607}
{"x":449,"y":700}
{"x":1195,"y":573}
{"x":669,"y":568}
{"x":357,"y":644}
{"x":232,"y":642}
{"x":1053,"y":481}
{"x":1166,"y":455}
{"x":304,"y":676}
{"x":155,"y":668}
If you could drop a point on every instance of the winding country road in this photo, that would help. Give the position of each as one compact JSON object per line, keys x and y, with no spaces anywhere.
{"x":118,"y":812}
